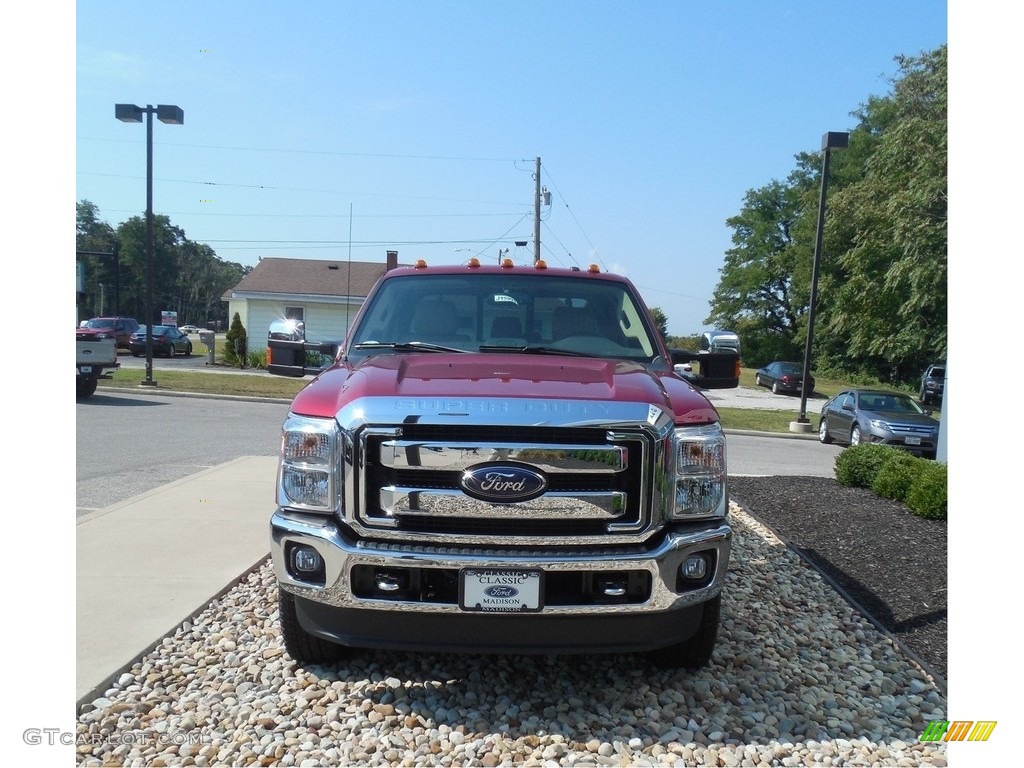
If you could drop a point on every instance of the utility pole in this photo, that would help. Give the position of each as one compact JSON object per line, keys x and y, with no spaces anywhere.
{"x":536,"y":214}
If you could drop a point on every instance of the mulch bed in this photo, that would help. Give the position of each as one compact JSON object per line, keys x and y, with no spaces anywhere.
{"x":891,"y":562}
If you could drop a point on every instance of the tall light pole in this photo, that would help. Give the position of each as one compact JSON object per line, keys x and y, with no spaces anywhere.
{"x":831,"y":140}
{"x":165,"y":113}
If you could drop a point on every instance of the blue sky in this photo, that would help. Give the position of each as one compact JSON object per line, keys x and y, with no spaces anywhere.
{"x":342,"y":129}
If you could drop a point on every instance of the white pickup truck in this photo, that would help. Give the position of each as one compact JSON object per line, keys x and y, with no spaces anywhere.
{"x":94,"y":360}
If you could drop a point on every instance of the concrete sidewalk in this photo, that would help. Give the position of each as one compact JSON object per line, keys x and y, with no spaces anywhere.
{"x":147,"y":564}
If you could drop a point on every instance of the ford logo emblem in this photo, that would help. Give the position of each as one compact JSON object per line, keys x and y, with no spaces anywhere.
{"x":503,"y":483}
{"x":501,"y":591}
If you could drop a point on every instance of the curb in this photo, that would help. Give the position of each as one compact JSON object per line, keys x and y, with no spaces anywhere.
{"x":101,"y":688}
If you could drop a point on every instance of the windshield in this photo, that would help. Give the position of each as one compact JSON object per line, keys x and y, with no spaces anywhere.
{"x":506,"y":312}
{"x":891,"y":403}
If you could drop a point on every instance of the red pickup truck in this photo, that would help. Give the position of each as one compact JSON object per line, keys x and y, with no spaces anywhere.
{"x":501,"y":459}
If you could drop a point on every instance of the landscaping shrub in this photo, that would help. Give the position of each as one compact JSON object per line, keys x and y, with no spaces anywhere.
{"x":858,"y":465}
{"x":236,"y":343}
{"x":928,"y":494}
{"x":897,"y":475}
{"x":258,"y":358}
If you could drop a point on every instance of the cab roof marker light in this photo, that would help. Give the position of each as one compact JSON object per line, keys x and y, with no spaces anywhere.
{"x":473,"y":262}
{"x":594,"y":269}
{"x":506,"y":264}
{"x":421,"y":264}
{"x":540,"y":264}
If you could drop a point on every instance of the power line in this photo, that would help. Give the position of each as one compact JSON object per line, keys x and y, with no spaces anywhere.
{"x":593,"y":248}
{"x":282,"y":150}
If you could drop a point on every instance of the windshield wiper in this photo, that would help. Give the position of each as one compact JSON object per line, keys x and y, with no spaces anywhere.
{"x":531,"y":350}
{"x":408,"y":346}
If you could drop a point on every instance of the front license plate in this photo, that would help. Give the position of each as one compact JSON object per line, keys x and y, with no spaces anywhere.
{"x":500,"y":590}
{"x":913,"y":441}
{"x":85,"y":368}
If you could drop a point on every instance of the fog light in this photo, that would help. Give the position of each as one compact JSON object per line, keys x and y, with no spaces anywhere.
{"x":694,"y":568}
{"x":306,"y":559}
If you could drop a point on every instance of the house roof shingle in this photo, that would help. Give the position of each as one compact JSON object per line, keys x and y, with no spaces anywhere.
{"x":318,"y":277}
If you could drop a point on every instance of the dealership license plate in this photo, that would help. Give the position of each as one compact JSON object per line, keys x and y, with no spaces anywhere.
{"x":500,"y":590}
{"x":913,"y":441}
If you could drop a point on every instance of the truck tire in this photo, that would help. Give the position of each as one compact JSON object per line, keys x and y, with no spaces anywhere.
{"x":86,"y":387}
{"x":300,"y":645}
{"x":695,"y":652}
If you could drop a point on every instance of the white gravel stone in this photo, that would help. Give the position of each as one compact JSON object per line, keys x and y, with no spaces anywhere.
{"x":798,"y":678}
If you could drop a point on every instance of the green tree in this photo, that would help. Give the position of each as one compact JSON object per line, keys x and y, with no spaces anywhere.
{"x":882,"y":286}
{"x":890,"y":285}
{"x":236,"y":343}
{"x":660,"y":322}
{"x":758,"y":295}
{"x":188,"y":277}
{"x":96,"y":236}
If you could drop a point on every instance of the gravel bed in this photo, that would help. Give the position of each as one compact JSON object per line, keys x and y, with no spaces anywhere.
{"x":799,"y":678}
{"x":890,"y":561}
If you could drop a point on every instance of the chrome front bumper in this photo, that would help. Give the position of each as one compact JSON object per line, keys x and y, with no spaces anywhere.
{"x":341,"y":553}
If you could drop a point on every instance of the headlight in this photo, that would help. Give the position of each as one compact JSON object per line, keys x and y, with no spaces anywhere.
{"x":308,"y":474}
{"x":882,"y":425}
{"x":699,"y":473}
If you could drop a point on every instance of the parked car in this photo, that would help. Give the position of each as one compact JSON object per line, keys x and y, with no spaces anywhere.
{"x":121,"y":328}
{"x":933,"y":382}
{"x":857,"y":416}
{"x":783,"y":377}
{"x":188,"y":329}
{"x":167,"y":341}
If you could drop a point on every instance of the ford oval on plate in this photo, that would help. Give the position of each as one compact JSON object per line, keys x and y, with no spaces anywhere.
{"x":503,"y":483}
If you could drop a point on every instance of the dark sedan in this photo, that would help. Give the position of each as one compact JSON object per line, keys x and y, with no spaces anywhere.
{"x":857,"y":416}
{"x":167,"y":341}
{"x":783,"y":377}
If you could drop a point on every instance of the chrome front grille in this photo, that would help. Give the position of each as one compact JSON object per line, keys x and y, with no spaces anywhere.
{"x":597,"y":486}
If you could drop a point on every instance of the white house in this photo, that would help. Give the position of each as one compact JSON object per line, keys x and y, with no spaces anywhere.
{"x":324,"y":294}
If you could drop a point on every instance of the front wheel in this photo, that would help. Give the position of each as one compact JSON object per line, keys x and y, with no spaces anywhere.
{"x":823,"y":435}
{"x":300,"y":645}
{"x":695,"y":652}
{"x":855,"y":435}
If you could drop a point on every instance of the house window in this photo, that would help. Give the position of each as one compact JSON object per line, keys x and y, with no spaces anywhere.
{"x":295,"y":313}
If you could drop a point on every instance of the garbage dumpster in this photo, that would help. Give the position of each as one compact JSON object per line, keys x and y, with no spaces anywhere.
{"x":207,"y":337}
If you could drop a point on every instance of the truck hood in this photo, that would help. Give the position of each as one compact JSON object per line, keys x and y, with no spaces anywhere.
{"x":502,"y":376}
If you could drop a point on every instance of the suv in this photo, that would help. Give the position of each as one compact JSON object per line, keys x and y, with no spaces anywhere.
{"x":121,"y":328}
{"x":933,"y":383}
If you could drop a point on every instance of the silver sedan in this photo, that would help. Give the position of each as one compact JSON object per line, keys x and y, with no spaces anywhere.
{"x":857,"y":416}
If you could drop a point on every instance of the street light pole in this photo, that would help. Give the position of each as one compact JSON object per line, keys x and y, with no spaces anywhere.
{"x":172,"y":115}
{"x":831,"y":140}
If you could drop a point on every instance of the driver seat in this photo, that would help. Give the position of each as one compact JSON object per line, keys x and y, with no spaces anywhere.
{"x":568,"y":321}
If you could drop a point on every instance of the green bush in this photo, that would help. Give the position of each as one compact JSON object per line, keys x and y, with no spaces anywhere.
{"x":897,"y":475}
{"x":858,"y":465}
{"x":928,"y":494}
{"x":258,"y":358}
{"x":236,"y":343}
